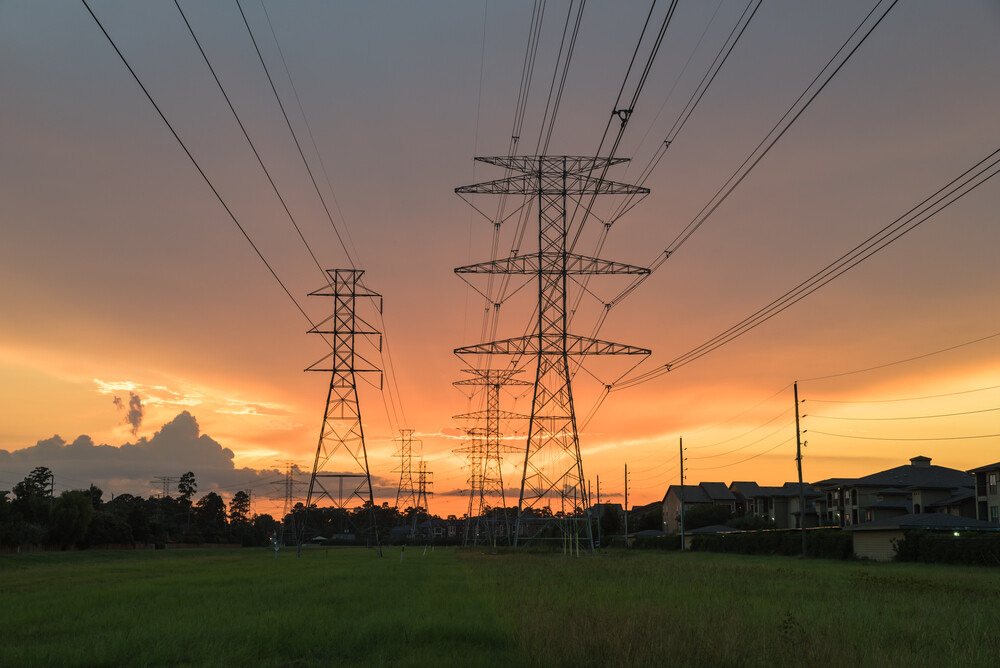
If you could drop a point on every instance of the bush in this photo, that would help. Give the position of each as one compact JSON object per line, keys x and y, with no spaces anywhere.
{"x":971,"y":549}
{"x":825,"y":543}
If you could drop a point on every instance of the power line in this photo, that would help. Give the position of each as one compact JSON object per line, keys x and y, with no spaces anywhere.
{"x":944,"y":197}
{"x":882,"y":438}
{"x":881,"y":401}
{"x":905,"y":417}
{"x":792,"y":114}
{"x":197,"y":166}
{"x":908,"y":359}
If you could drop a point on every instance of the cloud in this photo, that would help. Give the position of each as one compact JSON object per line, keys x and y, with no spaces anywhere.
{"x":177,"y":447}
{"x":133,"y":416}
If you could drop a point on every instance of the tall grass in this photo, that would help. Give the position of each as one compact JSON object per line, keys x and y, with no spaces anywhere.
{"x":697,"y":609}
{"x":344,"y":606}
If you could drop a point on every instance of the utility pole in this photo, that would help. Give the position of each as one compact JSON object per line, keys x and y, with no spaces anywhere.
{"x":798,"y":462}
{"x":552,"y":461}
{"x":341,"y":456}
{"x":682,"y":491}
{"x":626,"y":506}
{"x":598,"y":514}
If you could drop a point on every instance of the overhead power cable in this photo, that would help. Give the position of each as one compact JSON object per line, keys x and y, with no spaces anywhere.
{"x":393,"y":406}
{"x":246,"y":135}
{"x":191,"y":157}
{"x":959,"y":187}
{"x":885,"y":401}
{"x":902,"y":417}
{"x":798,"y":107}
{"x":883,"y":438}
{"x":908,"y":359}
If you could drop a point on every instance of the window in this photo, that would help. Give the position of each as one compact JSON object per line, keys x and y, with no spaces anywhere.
{"x":994,"y":513}
{"x":854,"y":497}
{"x":993,"y":483}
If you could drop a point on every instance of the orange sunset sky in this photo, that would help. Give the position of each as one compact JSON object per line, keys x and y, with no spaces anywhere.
{"x":123,"y":275}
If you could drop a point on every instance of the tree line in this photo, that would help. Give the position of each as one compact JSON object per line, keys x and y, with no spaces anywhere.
{"x":32,"y":515}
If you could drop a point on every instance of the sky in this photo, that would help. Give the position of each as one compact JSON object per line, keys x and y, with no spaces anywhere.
{"x":142,"y":336}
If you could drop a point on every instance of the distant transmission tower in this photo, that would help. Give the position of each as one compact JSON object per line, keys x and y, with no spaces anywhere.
{"x":340,"y":471}
{"x":485,"y":454}
{"x":553,"y":469}
{"x":406,"y":494}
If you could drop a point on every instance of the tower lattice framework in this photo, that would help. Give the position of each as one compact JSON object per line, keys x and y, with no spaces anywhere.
{"x":485,"y":454}
{"x":553,"y":470}
{"x":407,"y":492}
{"x":340,"y":474}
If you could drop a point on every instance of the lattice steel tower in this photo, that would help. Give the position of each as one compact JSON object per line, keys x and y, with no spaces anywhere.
{"x":485,"y":454}
{"x":340,"y":471}
{"x":406,"y":494}
{"x":553,"y":470}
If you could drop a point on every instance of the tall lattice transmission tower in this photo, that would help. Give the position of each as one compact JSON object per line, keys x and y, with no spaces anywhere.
{"x":340,"y":473}
{"x":553,"y":469}
{"x":485,"y":453}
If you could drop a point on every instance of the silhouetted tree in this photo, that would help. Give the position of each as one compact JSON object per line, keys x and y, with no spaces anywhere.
{"x":239,"y":508}
{"x":71,"y":517}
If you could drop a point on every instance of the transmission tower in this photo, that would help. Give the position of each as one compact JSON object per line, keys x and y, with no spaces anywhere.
{"x":288,"y":486}
{"x":340,"y":471}
{"x":406,"y":495}
{"x":553,"y":469}
{"x":485,"y":452}
{"x":166,"y":482}
{"x":422,"y":508}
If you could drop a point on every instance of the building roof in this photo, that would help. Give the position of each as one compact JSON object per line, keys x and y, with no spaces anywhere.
{"x":960,"y":495}
{"x":929,"y":521}
{"x":718,"y":491}
{"x":988,"y":467}
{"x":919,"y":474}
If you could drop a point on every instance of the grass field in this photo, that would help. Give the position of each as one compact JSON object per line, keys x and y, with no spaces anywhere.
{"x":468,"y":608}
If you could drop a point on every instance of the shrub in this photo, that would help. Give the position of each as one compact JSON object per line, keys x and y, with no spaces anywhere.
{"x":971,"y":549}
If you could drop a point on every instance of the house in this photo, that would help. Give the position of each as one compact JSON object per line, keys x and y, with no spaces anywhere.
{"x":778,"y":504}
{"x":987,"y":497}
{"x":917,"y":487}
{"x":876,"y":540}
{"x":677,"y":498}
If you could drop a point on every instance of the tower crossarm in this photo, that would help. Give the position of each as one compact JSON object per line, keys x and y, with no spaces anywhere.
{"x":551,"y":263}
{"x":482,"y":415}
{"x":551,"y":344}
{"x":530,"y":184}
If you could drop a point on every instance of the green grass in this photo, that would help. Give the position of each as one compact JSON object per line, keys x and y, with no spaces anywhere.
{"x":464,"y":608}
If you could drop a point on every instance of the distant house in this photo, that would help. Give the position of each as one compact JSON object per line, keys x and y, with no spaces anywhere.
{"x":876,"y":540}
{"x":917,"y":487}
{"x":987,"y":496}
{"x":678,"y":500}
{"x":778,"y":504}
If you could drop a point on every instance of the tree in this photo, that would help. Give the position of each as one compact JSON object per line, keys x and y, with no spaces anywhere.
{"x":210,"y":513}
{"x":187,"y":487}
{"x":239,"y":508}
{"x":611,"y":521}
{"x":71,"y":517}
{"x":32,"y":501}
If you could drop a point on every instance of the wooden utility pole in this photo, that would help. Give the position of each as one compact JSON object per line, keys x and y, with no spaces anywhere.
{"x":681,"y":445}
{"x":598,"y":512}
{"x":798,"y":461}
{"x":626,"y":506}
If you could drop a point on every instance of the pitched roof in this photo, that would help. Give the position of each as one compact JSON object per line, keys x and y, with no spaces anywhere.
{"x":927,"y":521}
{"x":923,"y":476}
{"x":717,"y":491}
{"x":960,"y":495}
{"x":988,"y":467}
